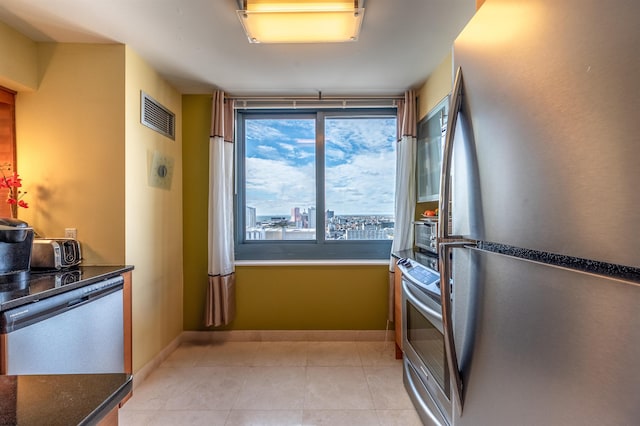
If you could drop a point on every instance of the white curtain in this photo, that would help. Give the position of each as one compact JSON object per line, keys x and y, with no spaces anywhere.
{"x":220,"y":303}
{"x":405,"y":184}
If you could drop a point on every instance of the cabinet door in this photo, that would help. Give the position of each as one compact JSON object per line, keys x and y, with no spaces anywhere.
{"x":431,"y":133}
{"x":397,"y":309}
{"x":7,"y":141}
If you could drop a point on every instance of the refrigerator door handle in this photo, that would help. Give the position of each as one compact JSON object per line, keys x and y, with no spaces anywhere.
{"x":445,"y":171}
{"x":447,"y":323}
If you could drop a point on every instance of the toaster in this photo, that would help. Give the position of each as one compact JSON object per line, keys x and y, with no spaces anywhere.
{"x":58,"y":253}
{"x":426,"y":234}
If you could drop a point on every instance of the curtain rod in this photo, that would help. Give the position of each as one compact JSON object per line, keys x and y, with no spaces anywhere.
{"x":320,"y":96}
{"x":257,"y":102}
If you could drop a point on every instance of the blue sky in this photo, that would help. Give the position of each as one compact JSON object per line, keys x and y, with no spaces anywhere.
{"x":360,"y":165}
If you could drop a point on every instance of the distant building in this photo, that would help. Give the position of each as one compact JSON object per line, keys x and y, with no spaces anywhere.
{"x":367,"y":234}
{"x":251,"y":217}
{"x":296,"y":217}
{"x":312,"y":217}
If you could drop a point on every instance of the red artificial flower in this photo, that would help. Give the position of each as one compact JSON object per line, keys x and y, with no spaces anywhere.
{"x":14,"y":181}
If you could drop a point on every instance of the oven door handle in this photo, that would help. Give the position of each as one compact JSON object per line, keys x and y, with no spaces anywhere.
{"x":447,"y":323}
{"x":415,"y":301}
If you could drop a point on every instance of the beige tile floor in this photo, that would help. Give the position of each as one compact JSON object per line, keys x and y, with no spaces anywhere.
{"x":274,"y":383}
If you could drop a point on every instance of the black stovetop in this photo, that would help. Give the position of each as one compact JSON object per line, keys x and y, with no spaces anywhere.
{"x":25,"y":287}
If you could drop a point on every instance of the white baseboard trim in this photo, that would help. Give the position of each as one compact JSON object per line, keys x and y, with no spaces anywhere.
{"x":288,"y":335}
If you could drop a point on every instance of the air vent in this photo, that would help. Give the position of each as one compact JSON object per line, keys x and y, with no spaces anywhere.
{"x":157,"y":117}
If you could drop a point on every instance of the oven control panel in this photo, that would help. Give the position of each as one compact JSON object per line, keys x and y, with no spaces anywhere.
{"x":424,"y":278}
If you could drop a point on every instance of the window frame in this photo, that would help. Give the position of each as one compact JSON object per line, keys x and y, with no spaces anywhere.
{"x":320,"y":248}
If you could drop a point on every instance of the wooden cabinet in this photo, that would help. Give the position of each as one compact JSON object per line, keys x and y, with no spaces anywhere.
{"x":128,"y":335}
{"x":397,"y":309}
{"x":7,"y":141}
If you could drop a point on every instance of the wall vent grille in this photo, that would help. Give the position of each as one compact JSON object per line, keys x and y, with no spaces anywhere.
{"x":157,"y":117}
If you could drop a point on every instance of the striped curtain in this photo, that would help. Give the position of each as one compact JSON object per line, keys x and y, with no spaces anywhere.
{"x":405,"y":184}
{"x":220,"y":303}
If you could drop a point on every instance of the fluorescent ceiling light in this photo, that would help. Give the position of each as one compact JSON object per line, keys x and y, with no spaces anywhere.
{"x":303,"y":21}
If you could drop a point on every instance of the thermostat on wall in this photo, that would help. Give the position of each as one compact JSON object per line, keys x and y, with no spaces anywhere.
{"x":160,"y":171}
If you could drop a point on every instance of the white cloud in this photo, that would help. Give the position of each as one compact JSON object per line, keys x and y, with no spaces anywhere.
{"x":274,"y":187}
{"x":365,"y":185}
{"x":266,"y":150}
{"x":360,"y":178}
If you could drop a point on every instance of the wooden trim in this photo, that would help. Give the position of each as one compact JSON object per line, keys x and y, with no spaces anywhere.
{"x":128,"y":331}
{"x":3,"y":353}
{"x":111,"y":419}
{"x":7,"y":90}
{"x":7,"y":138}
{"x":127,"y":320}
{"x":397,"y":309}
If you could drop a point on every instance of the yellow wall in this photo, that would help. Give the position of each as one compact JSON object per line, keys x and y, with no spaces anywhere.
{"x":311,"y":297}
{"x":70,"y":146}
{"x":438,"y":84}
{"x":196,"y":110}
{"x":153,"y":216}
{"x":435,"y":88}
{"x":308,"y":297}
{"x":19,"y":63}
{"x":84,"y":157}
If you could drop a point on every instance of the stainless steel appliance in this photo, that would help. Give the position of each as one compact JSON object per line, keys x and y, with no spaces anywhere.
{"x":15,"y":247}
{"x":426,"y":234}
{"x":59,"y":253}
{"x":77,"y":331}
{"x":428,"y":259}
{"x":426,"y":374}
{"x":541,"y":163}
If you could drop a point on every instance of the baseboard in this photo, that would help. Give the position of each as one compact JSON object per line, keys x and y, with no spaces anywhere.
{"x":288,"y":335}
{"x":140,"y":375}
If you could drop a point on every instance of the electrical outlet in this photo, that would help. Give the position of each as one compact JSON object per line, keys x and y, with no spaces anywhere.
{"x":71,"y":233}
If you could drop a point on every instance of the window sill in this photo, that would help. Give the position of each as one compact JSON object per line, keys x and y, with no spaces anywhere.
{"x":319,"y":262}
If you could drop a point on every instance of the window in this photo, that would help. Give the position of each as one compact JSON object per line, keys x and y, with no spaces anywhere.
{"x":315,"y":184}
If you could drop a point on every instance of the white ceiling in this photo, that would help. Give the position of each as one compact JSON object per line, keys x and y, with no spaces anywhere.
{"x":199,"y":45}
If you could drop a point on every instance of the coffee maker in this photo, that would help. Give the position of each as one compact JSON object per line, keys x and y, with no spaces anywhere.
{"x":16,"y":240}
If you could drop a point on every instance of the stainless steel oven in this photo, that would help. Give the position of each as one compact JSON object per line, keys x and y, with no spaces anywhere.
{"x":426,"y":372}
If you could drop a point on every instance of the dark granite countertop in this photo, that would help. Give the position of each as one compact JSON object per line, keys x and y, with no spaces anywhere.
{"x":606,"y":269}
{"x":26,"y":287}
{"x":576,"y":263}
{"x":72,"y":399}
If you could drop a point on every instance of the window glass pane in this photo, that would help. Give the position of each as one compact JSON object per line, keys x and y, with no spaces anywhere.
{"x":360,"y":164}
{"x":280,"y":179}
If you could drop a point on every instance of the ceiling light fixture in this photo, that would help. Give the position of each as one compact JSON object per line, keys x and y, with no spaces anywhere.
{"x":302,"y":21}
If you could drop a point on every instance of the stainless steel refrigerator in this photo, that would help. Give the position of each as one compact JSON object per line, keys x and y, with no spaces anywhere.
{"x":542,"y":167}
